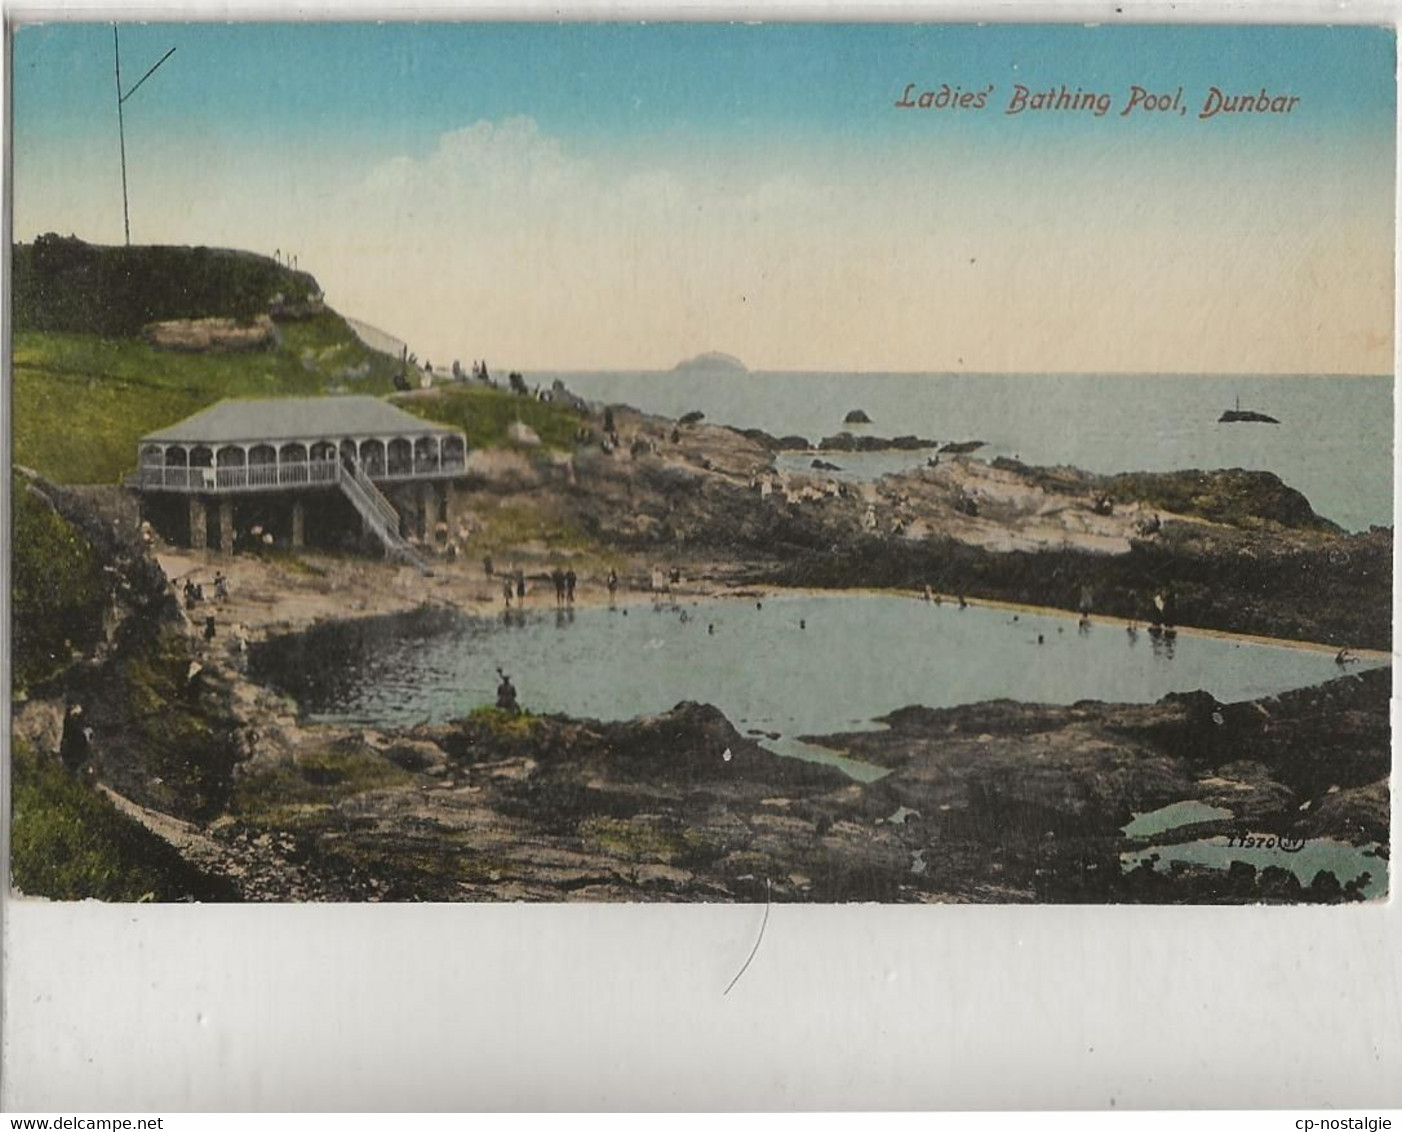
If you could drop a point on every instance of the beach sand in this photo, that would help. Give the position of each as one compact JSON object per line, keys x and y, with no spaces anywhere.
{"x":281,"y":594}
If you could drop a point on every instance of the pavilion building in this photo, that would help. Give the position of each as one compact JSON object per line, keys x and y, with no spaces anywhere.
{"x":300,"y":467}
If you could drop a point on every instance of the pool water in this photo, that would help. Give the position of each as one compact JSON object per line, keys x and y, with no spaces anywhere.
{"x":785,"y":666}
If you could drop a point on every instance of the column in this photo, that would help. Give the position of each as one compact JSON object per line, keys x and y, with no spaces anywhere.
{"x":450,"y":499}
{"x":198,"y":539}
{"x":226,"y":526}
{"x":423,"y":502}
{"x":299,"y":524}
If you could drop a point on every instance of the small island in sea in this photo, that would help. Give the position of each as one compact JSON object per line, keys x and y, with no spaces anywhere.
{"x":713,"y":361}
{"x":1239,"y":415}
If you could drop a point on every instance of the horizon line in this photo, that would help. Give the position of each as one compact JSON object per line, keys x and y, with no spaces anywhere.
{"x":762,"y":372}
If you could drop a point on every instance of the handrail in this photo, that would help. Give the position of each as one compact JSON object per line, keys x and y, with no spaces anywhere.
{"x":375,"y":497}
{"x":384,"y":505}
{"x":367,"y":506}
{"x":381,"y":516}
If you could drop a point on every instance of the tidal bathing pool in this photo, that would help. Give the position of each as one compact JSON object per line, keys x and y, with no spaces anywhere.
{"x":778,"y":667}
{"x":781,"y":667}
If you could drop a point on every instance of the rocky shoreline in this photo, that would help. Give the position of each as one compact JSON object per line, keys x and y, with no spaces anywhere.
{"x":1242,"y":551}
{"x":994,"y":802}
{"x":987,"y":802}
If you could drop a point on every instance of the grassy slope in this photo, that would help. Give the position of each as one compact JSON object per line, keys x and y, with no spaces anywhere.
{"x":57,"y":594}
{"x":82,"y":402}
{"x":86,"y":387}
{"x":485,"y":414}
{"x":68,"y":842}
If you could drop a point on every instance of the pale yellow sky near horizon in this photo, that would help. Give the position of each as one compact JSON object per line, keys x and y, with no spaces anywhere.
{"x":509,"y":244}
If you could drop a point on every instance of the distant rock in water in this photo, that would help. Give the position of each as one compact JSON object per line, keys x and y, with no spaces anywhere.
{"x":824,"y":466}
{"x":962,"y":447}
{"x":775,"y":443}
{"x":856,"y":416}
{"x":1235,"y":416}
{"x":846,"y":442}
{"x":712,"y":362}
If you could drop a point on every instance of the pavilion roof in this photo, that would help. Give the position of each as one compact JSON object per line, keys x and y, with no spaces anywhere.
{"x":295,"y":418}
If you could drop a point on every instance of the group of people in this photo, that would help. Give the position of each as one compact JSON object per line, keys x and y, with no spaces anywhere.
{"x":661,"y":582}
{"x":514,"y":586}
{"x":564,"y":581}
{"x":194,"y":596}
{"x":194,"y":591}
{"x":935,"y":598}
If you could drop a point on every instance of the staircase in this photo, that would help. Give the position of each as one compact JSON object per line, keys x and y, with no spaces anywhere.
{"x":380,"y":516}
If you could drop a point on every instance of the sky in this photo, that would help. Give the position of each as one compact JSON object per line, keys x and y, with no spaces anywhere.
{"x":589,"y":196}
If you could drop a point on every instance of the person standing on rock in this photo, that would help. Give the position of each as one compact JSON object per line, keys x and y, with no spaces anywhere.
{"x":557,"y":576}
{"x":571,"y":578}
{"x":506,"y":591}
{"x":521,"y":589}
{"x":506,"y":695}
{"x":613,"y":585}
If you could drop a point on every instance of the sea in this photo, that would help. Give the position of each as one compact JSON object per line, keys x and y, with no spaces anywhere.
{"x":1333,"y":442}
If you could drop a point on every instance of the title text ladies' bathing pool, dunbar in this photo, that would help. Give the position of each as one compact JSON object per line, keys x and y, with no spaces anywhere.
{"x":1137,"y":100}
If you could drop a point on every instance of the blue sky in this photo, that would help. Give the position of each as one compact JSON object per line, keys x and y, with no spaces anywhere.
{"x":286,"y":124}
{"x":620,"y":82}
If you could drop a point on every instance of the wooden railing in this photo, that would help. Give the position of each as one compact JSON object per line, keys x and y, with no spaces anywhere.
{"x":271,"y":477}
{"x":418,"y":469}
{"x":249,"y":477}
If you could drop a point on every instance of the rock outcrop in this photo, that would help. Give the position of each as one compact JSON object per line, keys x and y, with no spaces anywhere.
{"x":211,"y":335}
{"x":847,"y":442}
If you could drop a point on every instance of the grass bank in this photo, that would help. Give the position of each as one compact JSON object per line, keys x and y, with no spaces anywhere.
{"x":81,"y":402}
{"x":485,"y":414}
{"x":57,"y":594}
{"x":68,"y":842}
